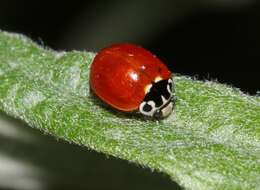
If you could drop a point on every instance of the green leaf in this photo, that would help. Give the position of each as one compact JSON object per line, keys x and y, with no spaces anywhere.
{"x":211,"y":141}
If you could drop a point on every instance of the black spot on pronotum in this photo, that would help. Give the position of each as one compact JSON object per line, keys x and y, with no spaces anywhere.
{"x":147,"y":108}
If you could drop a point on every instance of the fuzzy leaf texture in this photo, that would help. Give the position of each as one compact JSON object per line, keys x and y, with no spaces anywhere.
{"x":210,"y":141}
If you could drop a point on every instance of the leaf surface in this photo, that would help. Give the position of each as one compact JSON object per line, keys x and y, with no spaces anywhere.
{"x":211,"y":141}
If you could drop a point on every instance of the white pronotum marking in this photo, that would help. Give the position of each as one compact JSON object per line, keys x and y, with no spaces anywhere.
{"x":157,"y":79}
{"x":147,"y":88}
{"x":168,"y":88}
{"x":167,"y":110}
{"x":149,"y":113}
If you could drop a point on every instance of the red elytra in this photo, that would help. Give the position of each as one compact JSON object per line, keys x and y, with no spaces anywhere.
{"x":120,"y":74}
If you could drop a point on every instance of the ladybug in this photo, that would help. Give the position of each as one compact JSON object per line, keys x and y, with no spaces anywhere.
{"x":130,"y":78}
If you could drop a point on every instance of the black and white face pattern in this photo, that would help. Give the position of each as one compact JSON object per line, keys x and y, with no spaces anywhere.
{"x":158,"y":100}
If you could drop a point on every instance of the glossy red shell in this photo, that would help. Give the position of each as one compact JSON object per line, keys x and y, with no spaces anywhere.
{"x":120,"y":73}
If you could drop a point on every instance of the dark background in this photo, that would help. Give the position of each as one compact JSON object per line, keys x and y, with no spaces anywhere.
{"x":209,"y":39}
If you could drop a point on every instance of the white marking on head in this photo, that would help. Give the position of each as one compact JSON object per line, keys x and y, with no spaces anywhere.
{"x":167,"y":110}
{"x":147,"y":88}
{"x":170,"y":80}
{"x":157,"y":79}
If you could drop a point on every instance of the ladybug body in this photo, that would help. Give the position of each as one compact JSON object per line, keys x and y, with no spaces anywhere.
{"x":130,"y":78}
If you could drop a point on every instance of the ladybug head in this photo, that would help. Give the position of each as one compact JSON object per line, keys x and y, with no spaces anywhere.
{"x":158,"y":101}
